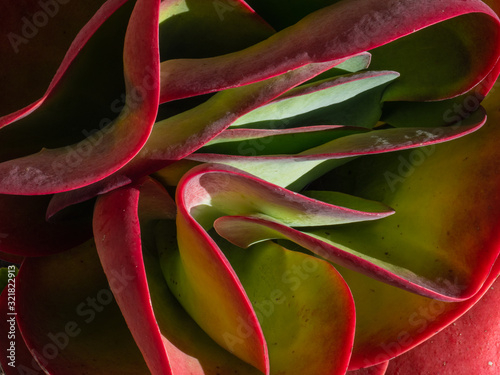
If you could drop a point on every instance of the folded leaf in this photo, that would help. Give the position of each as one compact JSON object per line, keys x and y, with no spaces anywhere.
{"x":188,"y":346}
{"x":169,"y":339}
{"x":225,"y":313}
{"x":211,"y":191}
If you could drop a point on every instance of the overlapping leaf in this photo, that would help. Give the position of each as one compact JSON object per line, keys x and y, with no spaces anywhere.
{"x":321,"y":148}
{"x":180,"y":135}
{"x":61,"y":169}
{"x":205,"y":193}
{"x":262,"y":304}
{"x":340,"y":31}
{"x":283,"y":287}
{"x":116,"y":215}
{"x":119,"y":235}
{"x":466,"y":228}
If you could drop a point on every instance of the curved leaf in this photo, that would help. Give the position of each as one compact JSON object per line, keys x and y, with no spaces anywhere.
{"x":77,"y":327}
{"x":304,"y":307}
{"x":412,"y":321}
{"x":314,"y":103}
{"x":189,"y":347}
{"x":440,"y":61}
{"x":338,"y":147}
{"x":169,"y":339}
{"x":245,"y":231}
{"x":440,"y":226}
{"x":211,"y":191}
{"x":118,"y":242}
{"x":225,"y":314}
{"x":178,"y":136}
{"x":451,"y":172}
{"x":77,"y":75}
{"x":339,"y":31}
{"x":41,"y":32}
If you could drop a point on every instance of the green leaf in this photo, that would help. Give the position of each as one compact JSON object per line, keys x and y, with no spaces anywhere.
{"x":212,"y":191}
{"x":316,"y":103}
{"x":189,"y":347}
{"x":194,"y":265}
{"x":303,"y":305}
{"x":443,"y":221}
{"x":297,"y":170}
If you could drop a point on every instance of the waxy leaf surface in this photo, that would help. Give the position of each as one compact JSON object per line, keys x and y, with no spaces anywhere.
{"x":284,"y":287}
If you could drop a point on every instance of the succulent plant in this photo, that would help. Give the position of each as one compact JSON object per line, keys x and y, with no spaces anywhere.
{"x":249,"y":187}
